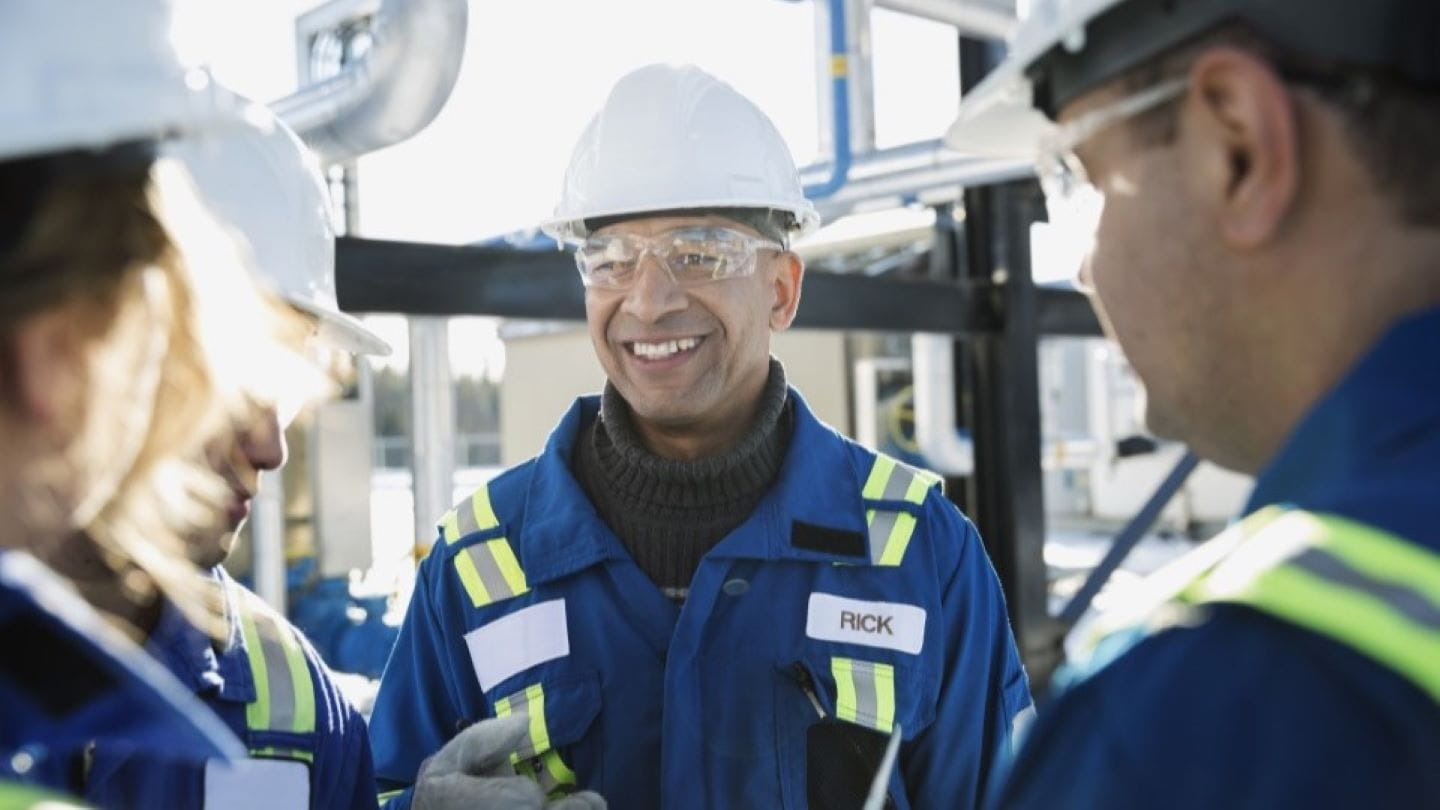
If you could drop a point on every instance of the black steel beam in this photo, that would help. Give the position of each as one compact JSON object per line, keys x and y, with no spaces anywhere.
{"x":1006,"y":493}
{"x":422,"y":279}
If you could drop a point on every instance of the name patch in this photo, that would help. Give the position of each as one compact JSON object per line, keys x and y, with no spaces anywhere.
{"x":514,"y":643}
{"x":891,"y":625}
{"x":249,"y":783}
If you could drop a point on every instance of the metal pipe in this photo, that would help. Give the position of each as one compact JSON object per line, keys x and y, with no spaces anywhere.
{"x":432,"y":428}
{"x":840,"y":101}
{"x":267,"y":538}
{"x":933,"y":369}
{"x":980,"y":19}
{"x":1127,"y":539}
{"x":952,"y":173}
{"x":394,"y":89}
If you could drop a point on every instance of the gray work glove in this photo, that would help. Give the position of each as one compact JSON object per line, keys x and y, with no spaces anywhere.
{"x":473,"y":772}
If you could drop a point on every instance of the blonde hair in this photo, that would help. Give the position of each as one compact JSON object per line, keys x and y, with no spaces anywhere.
{"x":178,"y":344}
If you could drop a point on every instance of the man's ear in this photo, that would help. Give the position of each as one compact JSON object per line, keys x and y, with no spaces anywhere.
{"x":43,"y":380}
{"x":789,"y":273}
{"x":1242,"y":140}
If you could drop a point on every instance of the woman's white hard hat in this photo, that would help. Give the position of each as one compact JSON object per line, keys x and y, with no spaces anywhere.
{"x":261,"y":180}
{"x":87,"y":74}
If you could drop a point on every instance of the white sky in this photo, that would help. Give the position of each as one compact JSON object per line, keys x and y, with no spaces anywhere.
{"x":534,"y":72}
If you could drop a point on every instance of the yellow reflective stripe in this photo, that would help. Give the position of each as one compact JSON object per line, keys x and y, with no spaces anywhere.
{"x":490,"y":572}
{"x":257,"y":711}
{"x":919,"y":486}
{"x":283,"y":753}
{"x":304,"y":687}
{"x":844,"y":689}
{"x":879,"y":477}
{"x":560,"y":774}
{"x":470,"y":579}
{"x":531,"y":703}
{"x":884,"y":697}
{"x":1378,"y":554}
{"x":388,"y":795}
{"x":280,"y":672}
{"x":864,"y":693}
{"x":899,"y":539}
{"x":1347,"y":615}
{"x":839,"y":65}
{"x":539,"y":732}
{"x":509,"y":566}
{"x":484,"y":514}
{"x":1360,"y":586}
{"x":450,"y":526}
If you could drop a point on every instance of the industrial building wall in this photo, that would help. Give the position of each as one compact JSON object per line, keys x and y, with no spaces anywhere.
{"x":544,"y":372}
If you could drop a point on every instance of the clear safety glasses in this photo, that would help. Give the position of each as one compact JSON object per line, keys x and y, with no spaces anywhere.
{"x":1074,"y":204}
{"x":696,"y":255}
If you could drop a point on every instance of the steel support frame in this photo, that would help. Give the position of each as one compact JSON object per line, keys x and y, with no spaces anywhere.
{"x":411,"y":278}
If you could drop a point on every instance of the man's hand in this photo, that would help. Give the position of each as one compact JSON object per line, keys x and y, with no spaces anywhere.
{"x":473,"y":772}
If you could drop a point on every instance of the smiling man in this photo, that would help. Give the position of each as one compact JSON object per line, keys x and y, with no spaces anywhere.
{"x":698,"y":595}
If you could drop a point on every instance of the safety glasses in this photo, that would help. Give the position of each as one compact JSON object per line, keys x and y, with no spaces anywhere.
{"x":1073,"y":202}
{"x":692,"y":256}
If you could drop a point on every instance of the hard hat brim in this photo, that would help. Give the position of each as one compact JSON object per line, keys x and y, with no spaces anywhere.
{"x":997,"y":119}
{"x":343,"y":332}
{"x":570,"y":226}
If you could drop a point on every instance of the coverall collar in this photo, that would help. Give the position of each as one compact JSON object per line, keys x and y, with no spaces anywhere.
{"x":196,"y":660}
{"x":817,"y":485}
{"x":1367,"y":449}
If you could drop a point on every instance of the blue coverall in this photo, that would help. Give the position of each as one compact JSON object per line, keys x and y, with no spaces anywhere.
{"x":67,"y":679}
{"x":334,"y":757}
{"x":855,"y":590}
{"x":1242,"y":709}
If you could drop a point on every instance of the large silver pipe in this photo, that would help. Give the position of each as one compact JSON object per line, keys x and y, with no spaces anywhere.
{"x":870,"y":190}
{"x":394,"y":89}
{"x":990,"y":20}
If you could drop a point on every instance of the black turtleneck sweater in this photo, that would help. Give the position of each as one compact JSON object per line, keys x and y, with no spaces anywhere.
{"x":669,"y":513}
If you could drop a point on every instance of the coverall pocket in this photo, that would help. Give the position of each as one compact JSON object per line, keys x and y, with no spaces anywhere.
{"x":834,"y":717}
{"x":562,"y":750}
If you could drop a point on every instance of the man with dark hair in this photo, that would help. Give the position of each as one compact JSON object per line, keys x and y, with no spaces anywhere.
{"x":698,"y":595}
{"x":1262,"y":182}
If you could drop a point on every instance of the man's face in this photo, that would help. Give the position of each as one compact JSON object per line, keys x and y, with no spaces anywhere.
{"x":257,"y":445}
{"x":1155,"y":276}
{"x":720,"y":331}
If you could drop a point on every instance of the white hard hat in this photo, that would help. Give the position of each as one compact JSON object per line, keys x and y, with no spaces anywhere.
{"x":1067,"y":47}
{"x":672,"y":138}
{"x":85,"y":74}
{"x":261,"y":179}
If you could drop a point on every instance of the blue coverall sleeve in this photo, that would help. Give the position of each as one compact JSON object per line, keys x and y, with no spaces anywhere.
{"x":982,"y":683}
{"x":417,"y":708}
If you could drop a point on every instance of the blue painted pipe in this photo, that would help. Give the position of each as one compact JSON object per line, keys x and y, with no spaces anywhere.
{"x":1128,"y":538}
{"x":840,"y":106}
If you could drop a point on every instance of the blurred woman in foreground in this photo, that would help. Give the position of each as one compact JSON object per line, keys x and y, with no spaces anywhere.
{"x":130,"y":336}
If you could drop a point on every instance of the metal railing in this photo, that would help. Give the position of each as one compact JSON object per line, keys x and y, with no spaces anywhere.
{"x":471,"y":450}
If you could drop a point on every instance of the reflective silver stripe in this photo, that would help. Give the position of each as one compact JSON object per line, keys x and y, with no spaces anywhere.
{"x":881,"y":524}
{"x":866,"y":701}
{"x":465,"y":518}
{"x":277,"y":671}
{"x":519,"y":703}
{"x":1409,"y":603}
{"x":489,"y":571}
{"x":899,"y":483}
